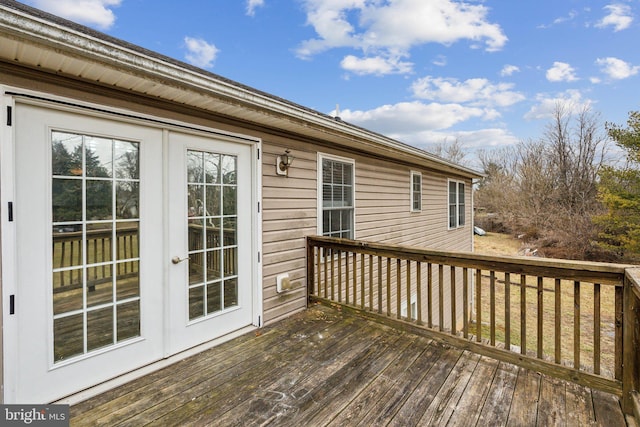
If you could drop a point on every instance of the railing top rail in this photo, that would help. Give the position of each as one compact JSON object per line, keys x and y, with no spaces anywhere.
{"x":595,"y":272}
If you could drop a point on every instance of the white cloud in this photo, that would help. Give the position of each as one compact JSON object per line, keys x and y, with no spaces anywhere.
{"x":391,"y":29}
{"x":619,"y":17}
{"x":475,"y":92}
{"x":440,"y":61}
{"x":561,"y":72}
{"x":472,"y":140}
{"x":617,"y":68}
{"x":95,"y":13}
{"x":406,"y":118}
{"x":377,"y":65}
{"x":200,"y":53}
{"x":546,"y":104}
{"x":252,"y":5}
{"x":508,"y":70}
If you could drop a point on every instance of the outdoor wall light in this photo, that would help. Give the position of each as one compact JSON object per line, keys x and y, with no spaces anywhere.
{"x":283,"y":163}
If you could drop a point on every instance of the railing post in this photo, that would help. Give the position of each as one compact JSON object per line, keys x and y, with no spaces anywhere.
{"x":630,"y":340}
{"x":310,"y":271}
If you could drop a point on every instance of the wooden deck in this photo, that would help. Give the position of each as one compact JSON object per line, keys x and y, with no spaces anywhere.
{"x":323,"y":367}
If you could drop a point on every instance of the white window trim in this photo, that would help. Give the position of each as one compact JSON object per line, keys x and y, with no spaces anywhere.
{"x":457,"y":225}
{"x":415,"y":173}
{"x":321,"y":157}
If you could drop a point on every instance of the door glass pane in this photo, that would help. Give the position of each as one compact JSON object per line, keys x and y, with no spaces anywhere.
{"x":99,"y":242}
{"x":214,"y":233}
{"x":99,"y":289}
{"x":127,"y":161}
{"x":127,"y":237}
{"x":99,"y":157}
{"x":66,"y":154}
{"x":214,"y":297}
{"x":67,"y":245}
{"x":91,"y":242}
{"x":230,"y":293}
{"x":127,"y":199}
{"x":67,"y":297}
{"x":99,"y":328}
{"x":128,"y":320}
{"x":196,"y":302}
{"x":68,"y":337}
{"x":128,"y":283}
{"x":67,"y":200}
{"x":211,"y":224}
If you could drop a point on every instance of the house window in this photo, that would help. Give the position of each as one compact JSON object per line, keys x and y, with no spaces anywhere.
{"x":456,"y":204}
{"x":337,"y":197}
{"x":416,"y":191}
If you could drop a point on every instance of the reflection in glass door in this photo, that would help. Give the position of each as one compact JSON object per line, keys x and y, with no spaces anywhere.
{"x":212,"y":195}
{"x":96,"y":261}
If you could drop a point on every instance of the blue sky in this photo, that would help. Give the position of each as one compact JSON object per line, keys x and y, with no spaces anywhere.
{"x":486,"y":72}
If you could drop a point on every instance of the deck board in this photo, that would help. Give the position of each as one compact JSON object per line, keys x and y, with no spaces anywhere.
{"x":325,"y":367}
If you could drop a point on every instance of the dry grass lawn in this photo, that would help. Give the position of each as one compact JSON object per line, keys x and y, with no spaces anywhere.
{"x":577,"y":310}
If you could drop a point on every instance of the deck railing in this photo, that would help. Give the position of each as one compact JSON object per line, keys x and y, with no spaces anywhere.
{"x":577,"y":321}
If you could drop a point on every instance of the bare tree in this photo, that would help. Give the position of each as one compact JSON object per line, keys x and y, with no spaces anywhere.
{"x":454,"y":151}
{"x":546,"y":189}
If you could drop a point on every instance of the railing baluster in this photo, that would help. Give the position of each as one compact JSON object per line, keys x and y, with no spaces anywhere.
{"x":339,"y":276}
{"x":319,"y":269}
{"x":540,"y":315}
{"x":388,"y":286}
{"x":379,"y":284}
{"x":453,"y":301}
{"x":333,"y":269}
{"x":441,"y":297}
{"x":362,"y":279}
{"x":370,"y":282}
{"x":507,"y":311}
{"x":346,"y":276}
{"x":398,"y":289}
{"x":478,"y":305}
{"x":429,"y":295}
{"x":419,"y":291}
{"x":409,"y":290}
{"x":558,"y":322}
{"x":492,"y":307}
{"x":355,"y":278}
{"x":596,"y":328}
{"x":619,"y":301}
{"x":576,"y":324}
{"x":465,"y":302}
{"x":326,"y":252}
{"x":523,"y":314}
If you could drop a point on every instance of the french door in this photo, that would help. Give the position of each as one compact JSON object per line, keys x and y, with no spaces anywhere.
{"x":209,"y":239}
{"x":132,"y":242}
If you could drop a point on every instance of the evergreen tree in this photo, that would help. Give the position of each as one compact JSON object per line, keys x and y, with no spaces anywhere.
{"x":619,"y":191}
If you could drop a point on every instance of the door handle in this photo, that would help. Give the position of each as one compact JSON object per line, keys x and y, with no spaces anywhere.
{"x":177,"y":260}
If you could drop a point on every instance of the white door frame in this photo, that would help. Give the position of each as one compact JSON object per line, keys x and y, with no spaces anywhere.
{"x":8,"y":243}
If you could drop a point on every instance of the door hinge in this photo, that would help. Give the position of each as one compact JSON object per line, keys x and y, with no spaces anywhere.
{"x":12,"y":304}
{"x":9,"y":115}
{"x":258,"y":257}
{"x":258,"y":154}
{"x":10,"y":211}
{"x":258,"y":207}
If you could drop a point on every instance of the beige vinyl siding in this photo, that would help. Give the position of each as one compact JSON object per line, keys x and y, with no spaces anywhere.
{"x":289,"y":214}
